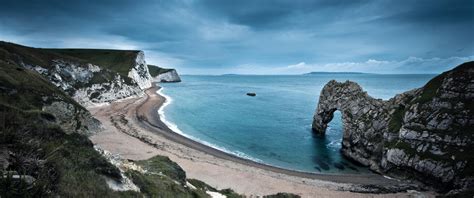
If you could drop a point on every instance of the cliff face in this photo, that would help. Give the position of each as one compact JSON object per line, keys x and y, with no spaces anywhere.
{"x":139,"y":72}
{"x":89,"y":76}
{"x":170,"y":76}
{"x":25,"y":90}
{"x":424,"y":134}
{"x":163,"y":75}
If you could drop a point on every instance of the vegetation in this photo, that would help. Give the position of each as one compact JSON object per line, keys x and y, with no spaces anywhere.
{"x":155,"y":70}
{"x":39,"y":159}
{"x":430,"y":89}
{"x":61,"y":164}
{"x":396,"y":120}
{"x":163,"y":165}
{"x":229,"y":193}
{"x":26,"y":89}
{"x":111,"y":61}
{"x":282,"y":195}
{"x":163,"y":178}
{"x":119,"y":61}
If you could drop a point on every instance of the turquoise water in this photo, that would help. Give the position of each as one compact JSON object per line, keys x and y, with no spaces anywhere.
{"x":275,"y":126}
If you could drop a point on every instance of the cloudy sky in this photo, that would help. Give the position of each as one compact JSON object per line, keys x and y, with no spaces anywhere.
{"x":256,"y":36}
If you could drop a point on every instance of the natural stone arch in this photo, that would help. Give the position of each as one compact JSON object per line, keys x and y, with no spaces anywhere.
{"x":364,"y":120}
{"x":424,"y":133}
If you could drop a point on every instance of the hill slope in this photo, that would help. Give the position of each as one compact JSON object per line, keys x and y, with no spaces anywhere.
{"x":90,"y":76}
{"x":44,"y":150}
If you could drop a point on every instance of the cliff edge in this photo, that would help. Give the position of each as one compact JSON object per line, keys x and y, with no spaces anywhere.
{"x":163,"y":75}
{"x":424,"y":134}
{"x":90,"y":76}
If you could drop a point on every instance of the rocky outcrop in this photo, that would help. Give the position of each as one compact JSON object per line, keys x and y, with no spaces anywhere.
{"x":90,"y":76}
{"x":422,"y":134}
{"x":163,"y":75}
{"x":170,"y":76}
{"x":72,"y":118}
{"x":139,"y":72}
{"x":90,"y":84}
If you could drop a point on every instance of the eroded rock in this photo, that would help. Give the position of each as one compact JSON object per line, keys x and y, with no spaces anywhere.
{"x":424,"y":133}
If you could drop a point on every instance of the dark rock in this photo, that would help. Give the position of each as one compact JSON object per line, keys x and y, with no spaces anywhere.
{"x":323,"y":165}
{"x":251,"y":94}
{"x":353,"y":168}
{"x":424,"y":133}
{"x":339,"y":166}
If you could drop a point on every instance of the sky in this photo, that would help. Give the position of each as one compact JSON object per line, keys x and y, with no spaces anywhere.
{"x":256,"y":36}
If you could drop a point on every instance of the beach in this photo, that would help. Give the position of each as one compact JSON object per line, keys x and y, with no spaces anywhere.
{"x":133,"y":129}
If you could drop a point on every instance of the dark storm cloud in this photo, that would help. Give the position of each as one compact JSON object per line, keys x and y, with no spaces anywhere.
{"x":199,"y":36}
{"x":271,"y":14}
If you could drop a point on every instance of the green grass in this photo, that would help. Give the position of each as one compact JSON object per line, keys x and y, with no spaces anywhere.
{"x":119,"y":61}
{"x":28,"y":55}
{"x":396,"y":120}
{"x":163,"y":165}
{"x":205,"y":187}
{"x":430,"y":89}
{"x":163,"y":178}
{"x":27,"y":89}
{"x":111,"y":61}
{"x":201,"y":185}
{"x":155,"y":70}
{"x":282,"y":195}
{"x":63,"y":164}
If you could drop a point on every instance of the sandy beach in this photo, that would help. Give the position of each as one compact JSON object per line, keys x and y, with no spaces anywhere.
{"x":133,"y":129}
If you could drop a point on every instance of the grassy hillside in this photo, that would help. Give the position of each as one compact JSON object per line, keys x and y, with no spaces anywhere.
{"x":27,"y":90}
{"x":61,"y":164}
{"x":116,"y":61}
{"x":53,"y":162}
{"x":155,"y":70}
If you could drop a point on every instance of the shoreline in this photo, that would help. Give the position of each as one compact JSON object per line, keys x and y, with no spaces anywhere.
{"x":133,"y":130}
{"x":153,"y":120}
{"x":174,"y":128}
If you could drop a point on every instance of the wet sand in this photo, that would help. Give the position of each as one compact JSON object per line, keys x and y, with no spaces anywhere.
{"x":133,"y":129}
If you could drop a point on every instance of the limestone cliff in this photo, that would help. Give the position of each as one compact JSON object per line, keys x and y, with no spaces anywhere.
{"x":424,"y":134}
{"x":163,"y":75}
{"x":89,"y":76}
{"x":25,"y":90}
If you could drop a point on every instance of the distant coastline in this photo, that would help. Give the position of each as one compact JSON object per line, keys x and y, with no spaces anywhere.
{"x":317,"y":73}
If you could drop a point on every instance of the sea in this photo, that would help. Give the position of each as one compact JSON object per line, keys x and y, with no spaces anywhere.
{"x":274,"y":127}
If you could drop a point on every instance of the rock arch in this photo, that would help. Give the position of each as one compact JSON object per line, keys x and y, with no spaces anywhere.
{"x":424,"y":133}
{"x":364,"y":118}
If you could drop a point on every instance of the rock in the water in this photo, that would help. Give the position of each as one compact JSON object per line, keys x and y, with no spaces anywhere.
{"x":425,"y":133}
{"x":251,"y":94}
{"x":339,"y":166}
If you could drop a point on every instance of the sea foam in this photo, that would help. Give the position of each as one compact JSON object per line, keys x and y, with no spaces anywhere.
{"x":175,"y":128}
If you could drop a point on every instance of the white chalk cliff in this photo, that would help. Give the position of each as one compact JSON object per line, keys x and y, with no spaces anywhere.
{"x":170,"y":76}
{"x":91,"y":84}
{"x":139,"y":73}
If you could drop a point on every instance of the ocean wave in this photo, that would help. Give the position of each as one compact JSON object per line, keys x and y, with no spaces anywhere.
{"x":175,"y":128}
{"x":335,"y":144}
